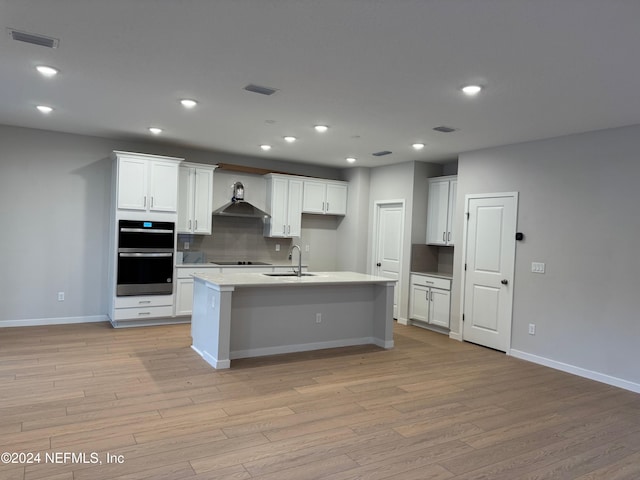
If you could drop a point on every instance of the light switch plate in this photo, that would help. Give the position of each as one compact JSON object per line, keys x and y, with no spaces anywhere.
{"x":537,"y":267}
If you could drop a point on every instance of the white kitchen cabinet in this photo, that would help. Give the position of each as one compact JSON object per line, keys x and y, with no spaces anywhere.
{"x":284,"y":200}
{"x":324,"y":197}
{"x":441,"y":209}
{"x":195,"y":198}
{"x":147,"y":183}
{"x":430,"y":300}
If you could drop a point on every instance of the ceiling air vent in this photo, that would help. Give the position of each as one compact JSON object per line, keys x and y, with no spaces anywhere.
{"x":381,"y":153}
{"x":444,"y":129}
{"x":34,"y":38}
{"x":260,"y":89}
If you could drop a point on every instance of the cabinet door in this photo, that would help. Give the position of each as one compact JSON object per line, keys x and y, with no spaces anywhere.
{"x":132,"y":184}
{"x":314,"y":197}
{"x":202,"y":201}
{"x":279,"y":198}
{"x":336,"y":199}
{"x":439,"y":307}
{"x":184,"y":296}
{"x":418,"y":304}
{"x":185,"y":200}
{"x":294,"y":208}
{"x":163,"y":187}
{"x":453,"y":191}
{"x":437,"y":213}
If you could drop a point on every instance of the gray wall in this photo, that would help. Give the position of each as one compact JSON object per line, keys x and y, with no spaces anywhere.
{"x":54,"y":204}
{"x":579,"y":210}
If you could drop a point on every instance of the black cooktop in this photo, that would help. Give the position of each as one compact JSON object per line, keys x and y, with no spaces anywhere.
{"x":238,"y":262}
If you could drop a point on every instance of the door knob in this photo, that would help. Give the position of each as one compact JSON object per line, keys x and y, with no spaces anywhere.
{"x":504,"y":281}
{"x":378,"y":264}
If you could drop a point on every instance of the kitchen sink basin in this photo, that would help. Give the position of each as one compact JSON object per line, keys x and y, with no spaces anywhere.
{"x":288,"y":274}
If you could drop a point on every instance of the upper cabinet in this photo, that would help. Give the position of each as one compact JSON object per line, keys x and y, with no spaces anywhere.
{"x":325,"y":197}
{"x":147,"y":182}
{"x":195,"y":198}
{"x":441,"y":209}
{"x":284,"y":201}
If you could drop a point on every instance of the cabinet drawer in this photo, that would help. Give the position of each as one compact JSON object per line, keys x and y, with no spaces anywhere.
{"x":142,"y":312}
{"x":144,"y":301}
{"x":428,"y":281}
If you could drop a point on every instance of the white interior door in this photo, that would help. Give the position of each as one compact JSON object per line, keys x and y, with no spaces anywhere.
{"x":388,"y":254}
{"x":489,"y":262}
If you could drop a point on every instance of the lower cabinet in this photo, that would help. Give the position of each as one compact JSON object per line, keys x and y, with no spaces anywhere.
{"x":430,"y":299}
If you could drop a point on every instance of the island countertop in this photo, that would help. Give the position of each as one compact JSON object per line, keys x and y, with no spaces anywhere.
{"x":248,"y":279}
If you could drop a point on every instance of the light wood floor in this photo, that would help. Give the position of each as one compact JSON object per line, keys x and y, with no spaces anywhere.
{"x":431,"y":408}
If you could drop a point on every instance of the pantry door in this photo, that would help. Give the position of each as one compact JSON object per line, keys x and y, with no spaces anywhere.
{"x":389,"y":234}
{"x":489,"y":258}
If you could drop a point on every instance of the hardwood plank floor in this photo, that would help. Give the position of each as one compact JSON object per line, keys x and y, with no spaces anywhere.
{"x":431,"y":408}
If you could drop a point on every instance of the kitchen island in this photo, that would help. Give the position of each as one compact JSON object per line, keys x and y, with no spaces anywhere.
{"x":242,"y":315}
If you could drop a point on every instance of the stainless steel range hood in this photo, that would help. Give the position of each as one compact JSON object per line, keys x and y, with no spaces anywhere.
{"x":237,"y":207}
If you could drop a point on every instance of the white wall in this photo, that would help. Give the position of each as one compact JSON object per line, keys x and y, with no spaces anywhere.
{"x":54,"y":217}
{"x":579,"y":210}
{"x":353,"y":229}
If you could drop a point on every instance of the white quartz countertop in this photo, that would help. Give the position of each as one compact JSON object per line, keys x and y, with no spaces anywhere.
{"x":218,"y":265}
{"x":447,"y":276}
{"x":248,"y":279}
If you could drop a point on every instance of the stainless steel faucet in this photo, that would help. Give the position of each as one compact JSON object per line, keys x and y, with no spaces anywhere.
{"x":299,"y":272}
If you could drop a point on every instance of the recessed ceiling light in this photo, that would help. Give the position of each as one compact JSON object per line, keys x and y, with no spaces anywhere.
{"x":265,"y":147}
{"x":471,"y":90}
{"x":44,"y":108}
{"x":350,"y":159}
{"x":155,"y":130}
{"x":47,"y":71}
{"x":321,"y":128}
{"x":188,"y":103}
{"x":289,"y":139}
{"x":418,"y":146}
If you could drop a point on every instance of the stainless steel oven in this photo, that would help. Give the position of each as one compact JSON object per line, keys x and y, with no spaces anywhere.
{"x":145,"y":258}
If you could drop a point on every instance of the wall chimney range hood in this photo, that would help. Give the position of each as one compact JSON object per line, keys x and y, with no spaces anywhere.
{"x":237,"y":207}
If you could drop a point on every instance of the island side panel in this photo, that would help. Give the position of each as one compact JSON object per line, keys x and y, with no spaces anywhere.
{"x":211,"y":323}
{"x":283,"y":319}
{"x":383,"y":311}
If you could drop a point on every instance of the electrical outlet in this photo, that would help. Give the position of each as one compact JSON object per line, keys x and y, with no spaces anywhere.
{"x":532,"y":329}
{"x":186,"y":245}
{"x":318,"y":318}
{"x":277,"y":247}
{"x":61,"y":296}
{"x":306,"y":248}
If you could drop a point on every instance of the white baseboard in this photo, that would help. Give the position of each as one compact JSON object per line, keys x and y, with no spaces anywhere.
{"x":33,"y":322}
{"x":303,"y":347}
{"x":403,"y":321}
{"x":455,"y":336}
{"x":581,"y":372}
{"x":211,"y":360}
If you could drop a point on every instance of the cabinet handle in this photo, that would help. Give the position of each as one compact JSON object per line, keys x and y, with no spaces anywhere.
{"x":444,"y":236}
{"x":432,"y":295}
{"x":196,"y":224}
{"x":144,"y":301}
{"x":288,"y":229}
{"x":189,"y":224}
{"x":327,"y":207}
{"x":449,"y":237}
{"x":284,"y":229}
{"x":144,"y":313}
{"x":145,"y":202}
{"x":151,"y":201}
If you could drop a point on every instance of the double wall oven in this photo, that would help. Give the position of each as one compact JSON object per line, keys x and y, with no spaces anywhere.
{"x":145,"y":258}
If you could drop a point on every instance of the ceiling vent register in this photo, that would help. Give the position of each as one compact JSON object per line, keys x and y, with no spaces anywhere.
{"x":33,"y":38}
{"x":260,"y":89}
{"x":382,"y":153}
{"x":444,"y":129}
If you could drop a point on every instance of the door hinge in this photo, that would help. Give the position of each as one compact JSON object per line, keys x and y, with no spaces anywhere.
{"x":463,"y":317}
{"x":467,"y":214}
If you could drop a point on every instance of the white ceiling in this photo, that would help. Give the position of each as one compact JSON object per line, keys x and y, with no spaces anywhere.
{"x":380,"y":73}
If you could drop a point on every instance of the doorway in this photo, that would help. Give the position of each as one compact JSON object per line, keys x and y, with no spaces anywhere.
{"x":489,"y":261}
{"x":388,"y":239}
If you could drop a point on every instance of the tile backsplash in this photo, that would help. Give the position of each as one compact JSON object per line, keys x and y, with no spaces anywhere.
{"x":234,"y":238}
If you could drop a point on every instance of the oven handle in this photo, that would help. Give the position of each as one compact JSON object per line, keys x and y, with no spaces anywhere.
{"x":145,"y":254}
{"x":145,"y":230}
